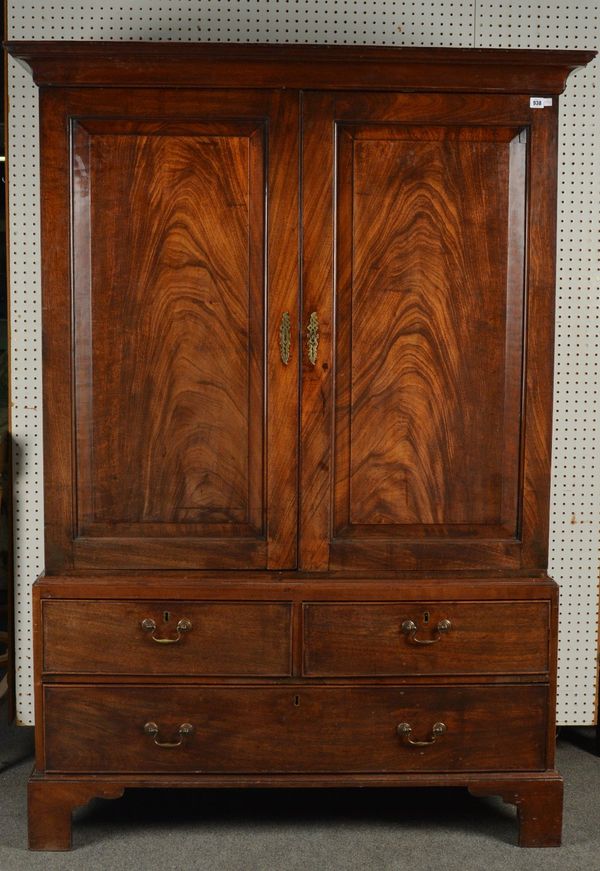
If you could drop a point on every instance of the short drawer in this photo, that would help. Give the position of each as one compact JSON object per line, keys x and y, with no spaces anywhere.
{"x":294,"y":729}
{"x":153,"y":638}
{"x":427,"y":638}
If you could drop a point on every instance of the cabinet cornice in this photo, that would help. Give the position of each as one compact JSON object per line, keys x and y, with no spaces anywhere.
{"x":154,"y":64}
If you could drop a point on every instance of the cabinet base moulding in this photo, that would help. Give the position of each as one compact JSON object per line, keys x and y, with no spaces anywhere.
{"x":538,"y":798}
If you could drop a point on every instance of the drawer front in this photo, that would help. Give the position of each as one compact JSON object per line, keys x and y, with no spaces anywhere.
{"x":294,"y":729}
{"x":187,"y":638}
{"x":428,"y":638}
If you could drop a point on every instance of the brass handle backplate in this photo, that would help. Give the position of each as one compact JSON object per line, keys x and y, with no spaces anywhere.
{"x":409,"y":628}
{"x":404,"y":731}
{"x":312,"y":333}
{"x":184,"y":730}
{"x":285,"y":338}
{"x":149,"y":625}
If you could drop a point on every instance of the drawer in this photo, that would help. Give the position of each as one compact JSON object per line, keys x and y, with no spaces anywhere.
{"x":294,"y":729}
{"x":379,"y":639}
{"x":180,"y":638}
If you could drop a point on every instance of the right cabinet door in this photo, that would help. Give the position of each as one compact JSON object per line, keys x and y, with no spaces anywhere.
{"x":428,"y":264}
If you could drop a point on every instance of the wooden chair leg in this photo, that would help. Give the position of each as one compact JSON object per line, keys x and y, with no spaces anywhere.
{"x":51,"y":805}
{"x":539,"y":807}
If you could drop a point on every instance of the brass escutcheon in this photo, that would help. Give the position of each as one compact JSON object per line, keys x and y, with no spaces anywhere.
{"x":285,"y":338}
{"x":312,"y":332}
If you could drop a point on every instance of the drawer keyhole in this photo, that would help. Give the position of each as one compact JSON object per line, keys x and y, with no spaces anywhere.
{"x":297,"y":701}
{"x":426,"y":618}
{"x":166,"y":616}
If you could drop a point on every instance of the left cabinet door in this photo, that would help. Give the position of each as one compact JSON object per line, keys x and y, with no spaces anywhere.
{"x":170,"y":251}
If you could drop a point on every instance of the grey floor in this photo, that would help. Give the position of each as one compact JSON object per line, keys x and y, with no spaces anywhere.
{"x":319,"y":830}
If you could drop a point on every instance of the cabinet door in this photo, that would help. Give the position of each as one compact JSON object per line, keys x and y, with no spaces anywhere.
{"x":428,"y":262}
{"x":170,"y":240}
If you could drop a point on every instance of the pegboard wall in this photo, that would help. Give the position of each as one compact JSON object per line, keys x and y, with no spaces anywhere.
{"x":575,"y":527}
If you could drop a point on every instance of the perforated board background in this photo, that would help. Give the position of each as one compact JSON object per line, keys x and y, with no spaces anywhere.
{"x":575,"y":530}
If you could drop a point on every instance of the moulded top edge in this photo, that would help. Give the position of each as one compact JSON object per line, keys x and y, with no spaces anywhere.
{"x":156,"y":64}
{"x":293,"y":51}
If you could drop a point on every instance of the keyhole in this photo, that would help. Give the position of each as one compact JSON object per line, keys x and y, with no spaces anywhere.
{"x":166,"y":616}
{"x":297,"y":701}
{"x":426,"y":618}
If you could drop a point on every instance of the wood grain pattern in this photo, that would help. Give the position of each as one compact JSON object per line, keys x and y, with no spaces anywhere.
{"x":295,"y":586}
{"x":539,"y":806}
{"x":294,"y":728}
{"x":539,"y":369}
{"x":422,"y":306}
{"x":283,"y":399}
{"x":50,"y":808}
{"x":485,"y":638}
{"x":243,"y":638}
{"x":172,"y":217}
{"x":171,"y":315}
{"x":538,"y":796}
{"x":299,"y":66}
{"x":316,"y":384}
{"x":433,"y":356}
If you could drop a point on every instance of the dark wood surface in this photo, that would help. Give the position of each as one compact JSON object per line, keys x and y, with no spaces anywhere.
{"x":539,"y":806}
{"x":296,"y":512}
{"x":521,"y":71}
{"x":442,"y":466}
{"x":50,"y":806}
{"x":296,"y":728}
{"x":429,"y":349}
{"x":52,"y":798}
{"x":426,"y":421}
{"x":297,"y":586}
{"x":223,"y":638}
{"x":172,"y":296}
{"x":169,"y":321}
{"x":484,"y":638}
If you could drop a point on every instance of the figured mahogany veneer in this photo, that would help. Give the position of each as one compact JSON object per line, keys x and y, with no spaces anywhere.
{"x":161,"y":286}
{"x":262,"y":503}
{"x":296,"y":728}
{"x":483,"y":638}
{"x":223,"y":638}
{"x":299,"y":66}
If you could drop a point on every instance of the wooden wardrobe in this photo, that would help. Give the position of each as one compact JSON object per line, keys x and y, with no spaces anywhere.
{"x":298,"y":312}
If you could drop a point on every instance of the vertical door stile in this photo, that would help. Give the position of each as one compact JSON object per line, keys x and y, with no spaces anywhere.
{"x":317,"y":297}
{"x":283,"y":275}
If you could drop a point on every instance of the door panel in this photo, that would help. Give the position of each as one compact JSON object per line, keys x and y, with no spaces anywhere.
{"x":421,"y":438}
{"x":174,"y":278}
{"x":169,"y":330}
{"x":424,"y":227}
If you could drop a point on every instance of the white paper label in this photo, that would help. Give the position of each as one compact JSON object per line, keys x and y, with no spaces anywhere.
{"x":539,"y":102}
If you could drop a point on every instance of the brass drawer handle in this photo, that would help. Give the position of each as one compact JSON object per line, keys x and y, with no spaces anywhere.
{"x":409,"y":628}
{"x":404,"y":730}
{"x":184,"y":730}
{"x":312,"y":332}
{"x":149,"y":625}
{"x":285,"y":338}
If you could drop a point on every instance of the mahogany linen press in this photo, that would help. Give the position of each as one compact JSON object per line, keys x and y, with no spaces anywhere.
{"x":298,"y":308}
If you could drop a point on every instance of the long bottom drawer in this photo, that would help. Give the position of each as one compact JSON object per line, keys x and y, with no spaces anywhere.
{"x":294,"y":729}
